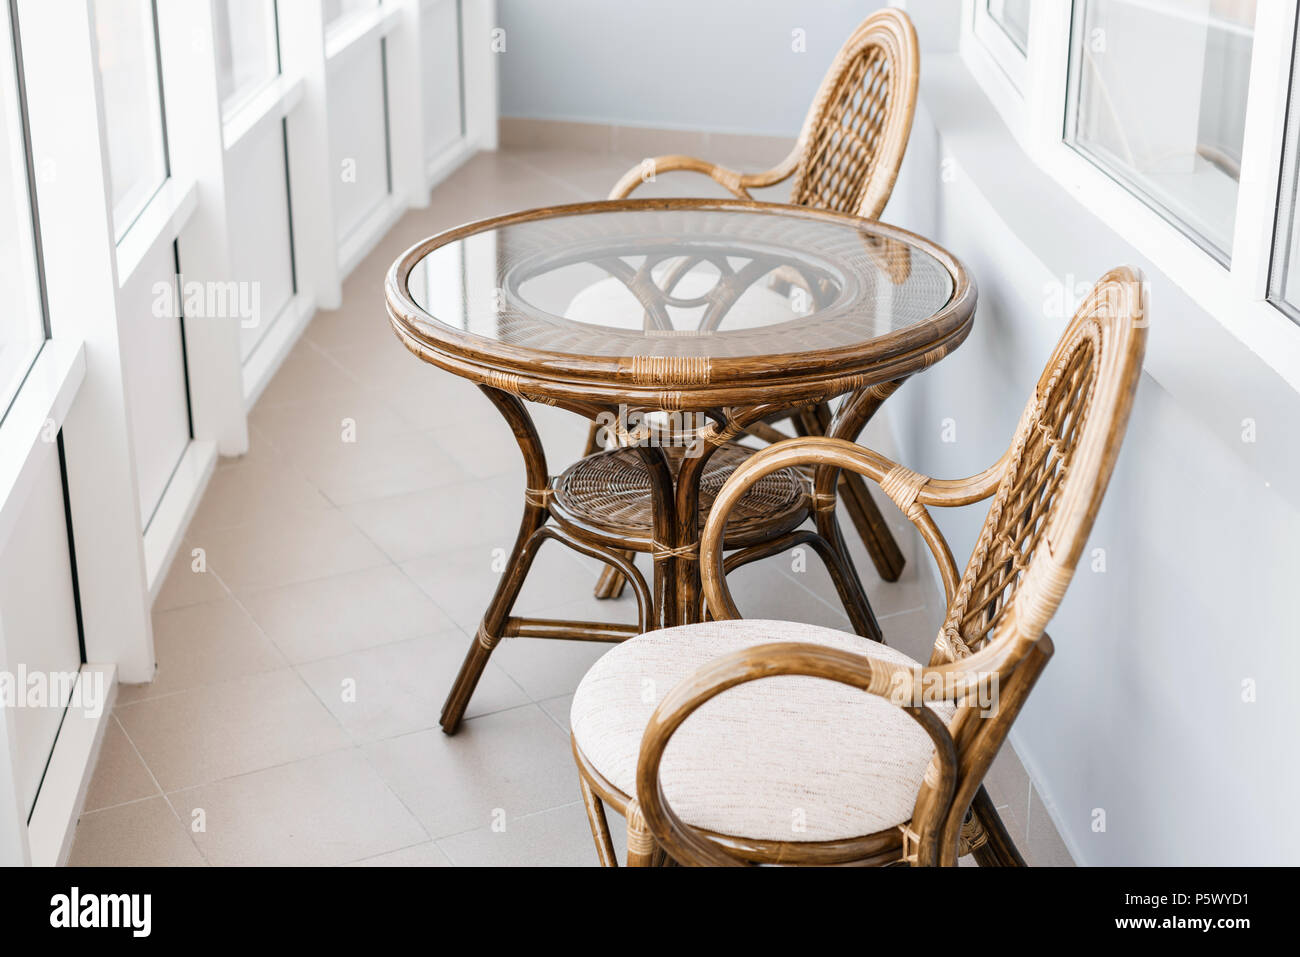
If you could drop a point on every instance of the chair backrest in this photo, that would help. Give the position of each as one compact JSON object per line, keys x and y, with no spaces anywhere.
{"x":1056,"y":473}
{"x":856,"y":131}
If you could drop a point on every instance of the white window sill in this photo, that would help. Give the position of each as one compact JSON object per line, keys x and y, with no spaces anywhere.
{"x":270,"y":104}
{"x":34,"y":421}
{"x":161,"y":222}
{"x":351,"y":34}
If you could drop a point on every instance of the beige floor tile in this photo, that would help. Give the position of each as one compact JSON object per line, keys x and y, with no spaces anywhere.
{"x":1043,"y":846}
{"x":143,"y":834}
{"x":120,"y":776}
{"x":588,"y":175}
{"x":638,"y":141}
{"x":764,"y":590}
{"x":911,"y":632}
{"x":1008,"y":786}
{"x":558,"y":708}
{"x":887,"y":598}
{"x":295,"y":547}
{"x":307,"y":370}
{"x":324,"y":810}
{"x":462,"y":582}
{"x":377,"y":466}
{"x":399,"y":688}
{"x":422,"y":393}
{"x":427,"y":854}
{"x":260,"y":450}
{"x":194,"y":737}
{"x":406,"y":527}
{"x":342,"y":613}
{"x":517,"y":761}
{"x":253,"y":493}
{"x":546,"y":668}
{"x":559,"y":837}
{"x":748,"y":153}
{"x":201,"y":645}
{"x":339,"y":328}
{"x":329,"y":417}
{"x":185,"y":586}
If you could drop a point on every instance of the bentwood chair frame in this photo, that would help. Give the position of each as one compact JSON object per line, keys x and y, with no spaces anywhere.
{"x":846,"y":160}
{"x":1045,"y":490}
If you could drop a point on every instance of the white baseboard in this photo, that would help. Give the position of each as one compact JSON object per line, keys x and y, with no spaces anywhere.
{"x":174,"y":512}
{"x":446,"y":162}
{"x":357,"y":245}
{"x":262,"y":365}
{"x":72,"y":762}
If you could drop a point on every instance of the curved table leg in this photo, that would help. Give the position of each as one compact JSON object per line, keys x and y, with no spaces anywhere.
{"x":666,"y":570}
{"x":521,"y":557}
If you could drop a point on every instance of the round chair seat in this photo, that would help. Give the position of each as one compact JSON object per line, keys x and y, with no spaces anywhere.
{"x":789,"y":758}
{"x":608,"y":493}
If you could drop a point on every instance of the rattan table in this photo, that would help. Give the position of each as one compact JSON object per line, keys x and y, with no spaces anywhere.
{"x":682,"y":325}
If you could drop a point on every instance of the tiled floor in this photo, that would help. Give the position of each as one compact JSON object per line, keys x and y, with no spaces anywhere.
{"x":326,"y":591}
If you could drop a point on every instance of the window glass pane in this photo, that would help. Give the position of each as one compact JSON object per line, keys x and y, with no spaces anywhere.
{"x":1159,"y":102}
{"x":339,"y":12}
{"x":1013,"y":17}
{"x":1284,"y":275}
{"x":21,"y":326}
{"x":128,"y":72}
{"x":246,"y":49}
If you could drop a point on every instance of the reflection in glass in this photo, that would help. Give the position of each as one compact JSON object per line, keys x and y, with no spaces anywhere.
{"x":1013,"y":17}
{"x":21,"y":328}
{"x":125,"y":37}
{"x":339,"y":12}
{"x":246,"y":49}
{"x":1159,"y":102}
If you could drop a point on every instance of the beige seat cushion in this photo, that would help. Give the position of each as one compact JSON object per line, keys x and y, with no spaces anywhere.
{"x":781,"y":759}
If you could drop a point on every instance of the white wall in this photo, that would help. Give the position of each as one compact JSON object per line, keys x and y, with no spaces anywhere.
{"x":1141,"y":712}
{"x":681,"y":64}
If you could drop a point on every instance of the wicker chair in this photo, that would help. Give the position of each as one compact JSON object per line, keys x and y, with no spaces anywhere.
{"x":846,"y":159}
{"x":883,"y":761}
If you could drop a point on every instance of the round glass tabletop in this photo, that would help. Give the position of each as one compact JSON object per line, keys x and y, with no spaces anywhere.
{"x":686,"y":281}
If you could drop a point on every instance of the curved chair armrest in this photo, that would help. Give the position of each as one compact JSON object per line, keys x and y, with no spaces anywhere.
{"x":911,"y":491}
{"x":895,"y":683}
{"x":738,"y":183}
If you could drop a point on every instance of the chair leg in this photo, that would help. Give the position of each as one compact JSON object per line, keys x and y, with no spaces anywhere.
{"x":599,"y":824}
{"x":642,"y":850}
{"x":998,"y":850}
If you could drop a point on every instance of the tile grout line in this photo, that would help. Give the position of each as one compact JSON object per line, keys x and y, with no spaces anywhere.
{"x":163,"y":793}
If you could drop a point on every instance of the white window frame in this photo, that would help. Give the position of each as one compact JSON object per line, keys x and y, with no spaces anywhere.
{"x":1004,"y":52}
{"x":1237,"y":295}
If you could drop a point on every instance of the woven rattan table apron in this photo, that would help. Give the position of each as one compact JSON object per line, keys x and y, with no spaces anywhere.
{"x":683,"y":324}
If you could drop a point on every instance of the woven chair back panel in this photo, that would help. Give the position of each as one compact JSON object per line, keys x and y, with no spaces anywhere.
{"x":837,"y":165}
{"x":1048,"y":435}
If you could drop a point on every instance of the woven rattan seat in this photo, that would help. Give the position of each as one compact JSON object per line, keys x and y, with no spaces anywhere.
{"x":608,"y":494}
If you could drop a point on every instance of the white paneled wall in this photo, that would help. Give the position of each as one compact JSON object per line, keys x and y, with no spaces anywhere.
{"x":358,"y":146}
{"x":154,"y":365}
{"x":259,"y":224}
{"x":440,"y":75}
{"x":38,"y":623}
{"x":268,"y":206}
